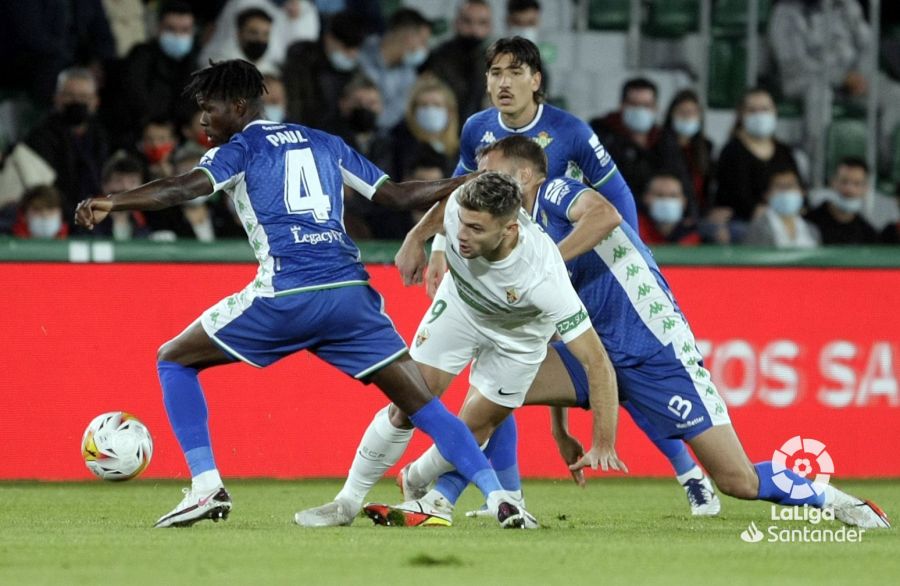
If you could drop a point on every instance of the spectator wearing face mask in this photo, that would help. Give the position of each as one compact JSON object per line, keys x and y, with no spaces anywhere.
{"x":192,"y":132}
{"x":392,"y":61}
{"x":430,"y":125}
{"x":781,"y":224}
{"x":684,"y":148}
{"x":121,"y":173}
{"x":630,"y":133}
{"x":747,"y":160}
{"x":154,"y":75}
{"x":523,"y":19}
{"x":839,"y":218}
{"x":41,"y":215}
{"x":70,"y":140}
{"x":665,"y":220}
{"x":156,"y":146}
{"x":316,"y":72}
{"x":274,"y":99}
{"x":459,"y":61}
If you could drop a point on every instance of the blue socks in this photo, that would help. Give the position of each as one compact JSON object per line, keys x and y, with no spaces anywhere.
{"x":188,"y":415}
{"x":769,"y":491}
{"x":673,"y":449}
{"x":451,"y":485}
{"x":455,"y":443}
{"x":502,"y":451}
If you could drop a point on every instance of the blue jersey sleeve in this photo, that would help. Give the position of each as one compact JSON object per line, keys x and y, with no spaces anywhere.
{"x":225,"y":164}
{"x":468,"y":143}
{"x":559,"y":195}
{"x":601,"y":173}
{"x":358,"y":172}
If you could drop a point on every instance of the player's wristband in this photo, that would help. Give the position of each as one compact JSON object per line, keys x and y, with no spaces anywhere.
{"x":439,"y":244}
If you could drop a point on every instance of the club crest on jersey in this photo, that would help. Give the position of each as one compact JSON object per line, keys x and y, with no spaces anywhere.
{"x":512,"y":295}
{"x":543,"y":139}
{"x":421,"y":337}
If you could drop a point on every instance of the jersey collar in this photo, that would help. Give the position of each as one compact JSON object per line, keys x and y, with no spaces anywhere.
{"x":527,"y":127}
{"x":260,"y":121}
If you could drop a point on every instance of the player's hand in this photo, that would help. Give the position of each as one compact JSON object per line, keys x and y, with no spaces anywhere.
{"x":411,"y":262}
{"x":603,"y":457}
{"x":437,"y":267}
{"x":92,"y":211}
{"x":571,"y":451}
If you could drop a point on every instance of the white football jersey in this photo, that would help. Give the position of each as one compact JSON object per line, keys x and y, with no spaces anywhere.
{"x":528,"y":293}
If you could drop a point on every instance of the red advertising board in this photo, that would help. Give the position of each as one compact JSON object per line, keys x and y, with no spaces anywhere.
{"x":808,"y":352}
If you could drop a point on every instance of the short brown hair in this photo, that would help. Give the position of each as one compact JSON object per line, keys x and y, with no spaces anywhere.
{"x":495,"y":193}
{"x":516,"y":146}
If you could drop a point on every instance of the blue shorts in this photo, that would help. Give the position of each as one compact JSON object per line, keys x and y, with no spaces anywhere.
{"x":672,"y":389}
{"x":344,"y":326}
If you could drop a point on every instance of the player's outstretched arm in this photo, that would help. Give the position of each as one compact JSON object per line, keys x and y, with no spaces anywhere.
{"x":410,"y":259}
{"x":569,"y":447}
{"x":155,"y":195}
{"x":604,"y":397}
{"x":594,"y":218}
{"x":413,"y":195}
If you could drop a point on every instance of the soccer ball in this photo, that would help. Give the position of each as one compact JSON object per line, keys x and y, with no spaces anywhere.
{"x":116,"y":446}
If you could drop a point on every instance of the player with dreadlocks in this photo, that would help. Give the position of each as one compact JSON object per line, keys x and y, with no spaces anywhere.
{"x":310,"y":291}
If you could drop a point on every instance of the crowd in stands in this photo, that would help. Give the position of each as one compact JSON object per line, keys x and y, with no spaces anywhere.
{"x":91,"y":103}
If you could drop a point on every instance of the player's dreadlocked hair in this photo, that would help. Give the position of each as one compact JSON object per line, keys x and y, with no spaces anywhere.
{"x":230,"y":80}
{"x":493,"y":192}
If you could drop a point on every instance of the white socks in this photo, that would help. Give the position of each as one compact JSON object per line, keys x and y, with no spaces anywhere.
{"x":206,"y":481}
{"x":694,"y":473}
{"x":380,"y":448}
{"x":428,"y":467}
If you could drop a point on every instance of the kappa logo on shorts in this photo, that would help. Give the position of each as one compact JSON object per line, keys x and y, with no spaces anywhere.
{"x":421,"y":337}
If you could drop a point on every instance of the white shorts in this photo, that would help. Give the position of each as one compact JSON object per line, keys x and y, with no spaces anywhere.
{"x":448,"y":338}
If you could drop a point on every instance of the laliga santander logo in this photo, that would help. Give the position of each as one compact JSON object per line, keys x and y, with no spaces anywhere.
{"x":805,"y":457}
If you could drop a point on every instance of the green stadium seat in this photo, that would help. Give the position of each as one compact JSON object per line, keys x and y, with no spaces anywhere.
{"x":845,"y":138}
{"x":609,"y":15}
{"x":727,"y":67}
{"x":672,"y":19}
{"x":730,"y":16}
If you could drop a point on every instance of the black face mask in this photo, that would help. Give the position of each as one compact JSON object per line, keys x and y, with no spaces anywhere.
{"x":362,"y":120}
{"x":75,"y":113}
{"x":469,"y":43}
{"x":254,"y":49}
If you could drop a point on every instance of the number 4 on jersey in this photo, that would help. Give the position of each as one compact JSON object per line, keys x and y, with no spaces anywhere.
{"x":302,"y":189}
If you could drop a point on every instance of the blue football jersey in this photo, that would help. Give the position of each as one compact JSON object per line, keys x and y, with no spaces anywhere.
{"x":627,"y":298}
{"x":572,"y":148}
{"x":287,"y":184}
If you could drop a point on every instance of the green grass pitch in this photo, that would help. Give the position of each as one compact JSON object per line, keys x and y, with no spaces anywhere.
{"x":617,"y":531}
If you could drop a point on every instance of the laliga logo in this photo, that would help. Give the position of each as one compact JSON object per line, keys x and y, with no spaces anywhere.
{"x":805,"y":457}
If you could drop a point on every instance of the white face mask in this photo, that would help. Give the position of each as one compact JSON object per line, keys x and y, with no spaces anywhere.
{"x":432,"y":119}
{"x":341,"y":61}
{"x":787,"y":202}
{"x":415,"y":57}
{"x":760,"y":124}
{"x":666,"y":210}
{"x":526,"y":32}
{"x":274,"y":112}
{"x":686,"y":127}
{"x":45,"y":226}
{"x":638,"y":118}
{"x":850,"y":205}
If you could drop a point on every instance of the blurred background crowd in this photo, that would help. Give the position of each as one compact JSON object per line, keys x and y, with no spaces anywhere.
{"x":796,"y":146}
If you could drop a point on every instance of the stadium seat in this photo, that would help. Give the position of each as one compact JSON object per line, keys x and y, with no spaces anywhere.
{"x":608,"y":15}
{"x":845,"y":138}
{"x":730,"y":16}
{"x":672,"y":19}
{"x":727,"y":66}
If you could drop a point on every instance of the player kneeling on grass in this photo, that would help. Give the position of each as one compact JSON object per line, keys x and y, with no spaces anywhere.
{"x":659,"y":369}
{"x":508,"y":293}
{"x":310,"y":292}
